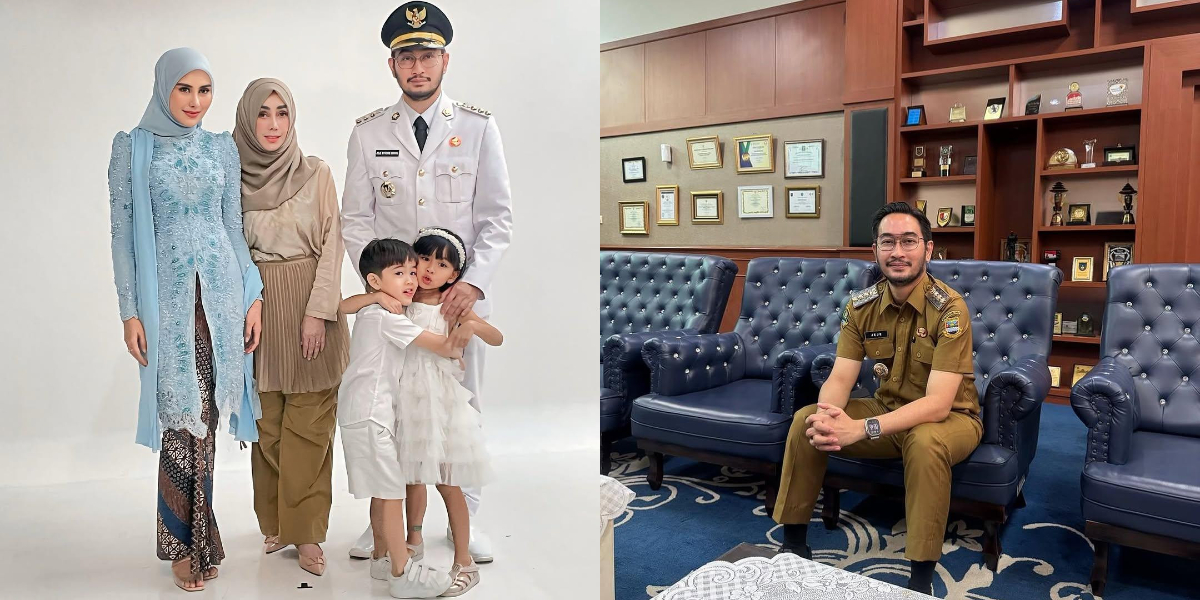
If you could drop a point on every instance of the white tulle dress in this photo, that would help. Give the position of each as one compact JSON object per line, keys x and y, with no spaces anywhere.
{"x":440,"y":436}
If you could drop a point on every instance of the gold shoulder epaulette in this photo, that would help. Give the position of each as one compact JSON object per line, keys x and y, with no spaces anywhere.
{"x":860,"y":298}
{"x":474,"y":109}
{"x":368,"y":116}
{"x":937,"y":296}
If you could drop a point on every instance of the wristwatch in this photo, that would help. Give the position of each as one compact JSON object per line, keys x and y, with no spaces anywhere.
{"x":873,"y":428}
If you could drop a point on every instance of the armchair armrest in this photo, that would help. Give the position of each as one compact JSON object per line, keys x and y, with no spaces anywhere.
{"x":792,"y":384}
{"x":694,"y":363}
{"x":625,"y":372}
{"x":1104,"y":401}
{"x":865,"y":386}
{"x":1010,"y":396}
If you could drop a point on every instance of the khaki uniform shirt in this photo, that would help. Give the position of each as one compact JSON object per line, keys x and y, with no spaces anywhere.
{"x":931,"y":330}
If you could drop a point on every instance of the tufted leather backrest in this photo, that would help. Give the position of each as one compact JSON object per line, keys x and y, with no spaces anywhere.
{"x":793,"y":302}
{"x":1151,"y":321}
{"x":1011,"y":306}
{"x":643,"y":291}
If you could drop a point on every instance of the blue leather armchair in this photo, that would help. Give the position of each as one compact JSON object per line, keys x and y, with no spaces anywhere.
{"x":728,"y":398}
{"x":1141,"y":477}
{"x":644,"y":294}
{"x":1012,"y":319}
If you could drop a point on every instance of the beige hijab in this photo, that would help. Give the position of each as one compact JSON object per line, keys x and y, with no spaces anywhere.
{"x":269,"y":178}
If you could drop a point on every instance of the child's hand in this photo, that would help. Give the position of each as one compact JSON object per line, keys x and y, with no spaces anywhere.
{"x":462,"y":335}
{"x":389,"y":303}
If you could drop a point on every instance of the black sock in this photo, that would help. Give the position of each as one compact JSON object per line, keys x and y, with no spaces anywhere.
{"x":921,"y":579}
{"x":795,"y":540}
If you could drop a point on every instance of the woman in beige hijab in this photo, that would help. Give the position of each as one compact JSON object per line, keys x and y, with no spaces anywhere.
{"x":290,"y":217}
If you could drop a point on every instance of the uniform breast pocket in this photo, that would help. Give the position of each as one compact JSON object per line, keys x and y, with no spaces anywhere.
{"x":881,"y":351}
{"x":455,"y":180}
{"x":387,"y":181}
{"x":922,"y":362}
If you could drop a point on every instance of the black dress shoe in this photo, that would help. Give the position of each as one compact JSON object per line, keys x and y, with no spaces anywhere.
{"x":802,"y":551}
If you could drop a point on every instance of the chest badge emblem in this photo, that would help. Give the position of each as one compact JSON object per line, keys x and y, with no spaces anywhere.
{"x":388,"y":189}
{"x":881,"y":371}
{"x":455,"y":142}
{"x":921,"y":332}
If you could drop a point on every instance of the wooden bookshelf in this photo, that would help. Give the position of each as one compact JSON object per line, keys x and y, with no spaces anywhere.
{"x":939,"y":180}
{"x":1092,"y":171}
{"x":1093,"y":340}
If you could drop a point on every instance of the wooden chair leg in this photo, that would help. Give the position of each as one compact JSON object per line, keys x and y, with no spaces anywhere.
{"x":772,"y":493}
{"x":1099,"y":567}
{"x":1020,"y":500}
{"x":832,"y":507}
{"x":655,"y":478}
{"x":991,"y":544}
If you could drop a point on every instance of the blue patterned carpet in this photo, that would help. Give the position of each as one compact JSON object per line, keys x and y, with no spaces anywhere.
{"x":703,"y":510}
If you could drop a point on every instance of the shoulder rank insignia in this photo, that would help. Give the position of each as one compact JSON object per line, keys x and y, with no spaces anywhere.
{"x":936,"y":296}
{"x":858,"y":299}
{"x":368,"y":116}
{"x":473,"y":108}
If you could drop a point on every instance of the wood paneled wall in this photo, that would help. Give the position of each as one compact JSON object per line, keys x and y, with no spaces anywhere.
{"x":795,"y":59}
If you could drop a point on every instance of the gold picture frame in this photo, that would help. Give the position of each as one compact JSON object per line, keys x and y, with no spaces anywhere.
{"x":669,"y":216}
{"x":1081,"y":269}
{"x":805,"y":203}
{"x":709,"y":149}
{"x":754,"y":153}
{"x":703,"y":205}
{"x":634,"y":217}
{"x":1079,"y":372}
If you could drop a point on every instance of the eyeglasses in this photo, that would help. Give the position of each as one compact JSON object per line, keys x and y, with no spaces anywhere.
{"x":907,"y":243}
{"x":408,"y":61}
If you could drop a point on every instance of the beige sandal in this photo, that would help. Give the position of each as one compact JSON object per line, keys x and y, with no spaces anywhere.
{"x":464,"y":578}
{"x":271,"y":545}
{"x":182,"y":583}
{"x":211,"y":573}
{"x":314,"y":564}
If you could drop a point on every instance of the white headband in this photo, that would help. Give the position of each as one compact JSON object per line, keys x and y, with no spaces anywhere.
{"x":462,"y":254}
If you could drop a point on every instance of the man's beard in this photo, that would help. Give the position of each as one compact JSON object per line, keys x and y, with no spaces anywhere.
{"x":903,"y":281}
{"x":419,"y":96}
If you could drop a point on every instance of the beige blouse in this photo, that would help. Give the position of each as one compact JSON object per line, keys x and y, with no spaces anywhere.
{"x":306,"y":225}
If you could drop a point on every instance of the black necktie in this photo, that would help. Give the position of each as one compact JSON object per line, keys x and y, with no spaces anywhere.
{"x":421,"y":130}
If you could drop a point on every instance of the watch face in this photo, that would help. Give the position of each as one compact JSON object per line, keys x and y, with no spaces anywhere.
{"x":873,"y":428}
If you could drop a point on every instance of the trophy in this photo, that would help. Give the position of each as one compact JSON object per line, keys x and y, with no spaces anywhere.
{"x":1034,"y":106}
{"x":1086,"y":326}
{"x":918,"y":162}
{"x":958,"y":113}
{"x":1074,"y":97}
{"x":1010,"y":247}
{"x":944,"y":161}
{"x":1127,"y":193}
{"x":1089,"y":146}
{"x":1058,"y":190}
{"x":1118,"y":92}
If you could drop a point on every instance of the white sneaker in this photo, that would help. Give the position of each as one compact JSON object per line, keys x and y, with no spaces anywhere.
{"x":479,"y":546}
{"x":364,"y":547}
{"x":381,"y":567}
{"x":418,"y":581}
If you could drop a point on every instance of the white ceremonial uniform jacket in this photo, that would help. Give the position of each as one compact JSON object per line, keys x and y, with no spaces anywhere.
{"x":459,"y":181}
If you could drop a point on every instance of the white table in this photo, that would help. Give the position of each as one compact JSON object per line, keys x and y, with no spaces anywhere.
{"x":781,"y":577}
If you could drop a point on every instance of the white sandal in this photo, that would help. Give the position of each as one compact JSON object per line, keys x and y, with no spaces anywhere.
{"x":464,"y":578}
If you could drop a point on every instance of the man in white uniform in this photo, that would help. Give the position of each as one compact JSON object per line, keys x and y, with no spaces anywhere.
{"x":430,"y":161}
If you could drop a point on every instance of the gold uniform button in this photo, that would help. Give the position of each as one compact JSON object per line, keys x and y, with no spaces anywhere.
{"x":421,"y":202}
{"x":918,"y":355}
{"x":385,"y":173}
{"x":453,"y":169}
{"x":421,"y":173}
{"x":893,"y":380}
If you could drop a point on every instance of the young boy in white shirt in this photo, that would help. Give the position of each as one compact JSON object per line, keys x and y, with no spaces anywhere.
{"x":367,"y":415}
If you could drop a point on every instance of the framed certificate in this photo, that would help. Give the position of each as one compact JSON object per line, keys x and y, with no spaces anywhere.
{"x":1081,"y":268}
{"x":1079,"y":372}
{"x":803,"y":202}
{"x":704,"y":152}
{"x":756,"y":201}
{"x":805,"y":158}
{"x":633,"y":217}
{"x":1055,"y":376}
{"x":633,"y":169}
{"x":1116,"y":254}
{"x":667,"y":205}
{"x":755,"y":153}
{"x":707,"y":207}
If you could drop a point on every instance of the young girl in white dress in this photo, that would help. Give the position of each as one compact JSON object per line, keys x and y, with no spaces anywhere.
{"x":440,"y":433}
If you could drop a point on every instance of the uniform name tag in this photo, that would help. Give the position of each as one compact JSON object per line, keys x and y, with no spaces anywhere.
{"x":875,"y":335}
{"x":387,"y":153}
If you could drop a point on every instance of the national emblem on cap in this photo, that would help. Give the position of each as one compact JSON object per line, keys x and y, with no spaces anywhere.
{"x":418,"y":24}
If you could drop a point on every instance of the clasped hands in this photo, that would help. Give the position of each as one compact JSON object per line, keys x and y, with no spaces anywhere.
{"x":830,"y":429}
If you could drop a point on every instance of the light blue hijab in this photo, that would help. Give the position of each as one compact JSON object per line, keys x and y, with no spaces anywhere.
{"x":157,"y":120}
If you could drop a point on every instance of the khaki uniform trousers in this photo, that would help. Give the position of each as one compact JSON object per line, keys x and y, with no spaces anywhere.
{"x":292,"y":465}
{"x":929,"y":451}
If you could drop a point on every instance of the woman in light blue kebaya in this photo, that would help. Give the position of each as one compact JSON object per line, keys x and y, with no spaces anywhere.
{"x":190,"y":299}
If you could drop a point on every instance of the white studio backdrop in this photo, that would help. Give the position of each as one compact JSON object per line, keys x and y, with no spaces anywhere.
{"x":73,"y":73}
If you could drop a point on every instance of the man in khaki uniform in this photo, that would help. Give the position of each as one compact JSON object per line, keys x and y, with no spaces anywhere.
{"x":926,"y":411}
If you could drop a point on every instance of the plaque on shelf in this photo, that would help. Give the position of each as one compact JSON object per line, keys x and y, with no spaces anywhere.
{"x":1070,"y":327}
{"x":1074,"y":96}
{"x":1109,"y":217}
{"x":994,"y":109}
{"x":1086,"y":325}
{"x":968,"y":215}
{"x":1080,"y":371}
{"x":1089,"y":146}
{"x":1057,"y":323}
{"x":921,"y":206}
{"x":1120,"y":155}
{"x":1055,"y":376}
{"x":1079,"y":214}
{"x":1063,"y":158}
{"x":914,"y":115}
{"x":947,"y":153}
{"x":1127,"y":193}
{"x":969,"y":165}
{"x":1118,"y":92}
{"x":1081,"y":268}
{"x":1034,"y":106}
{"x":1117,"y":254}
{"x":943,"y":216}
{"x":958,"y":113}
{"x":1050,"y":257}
